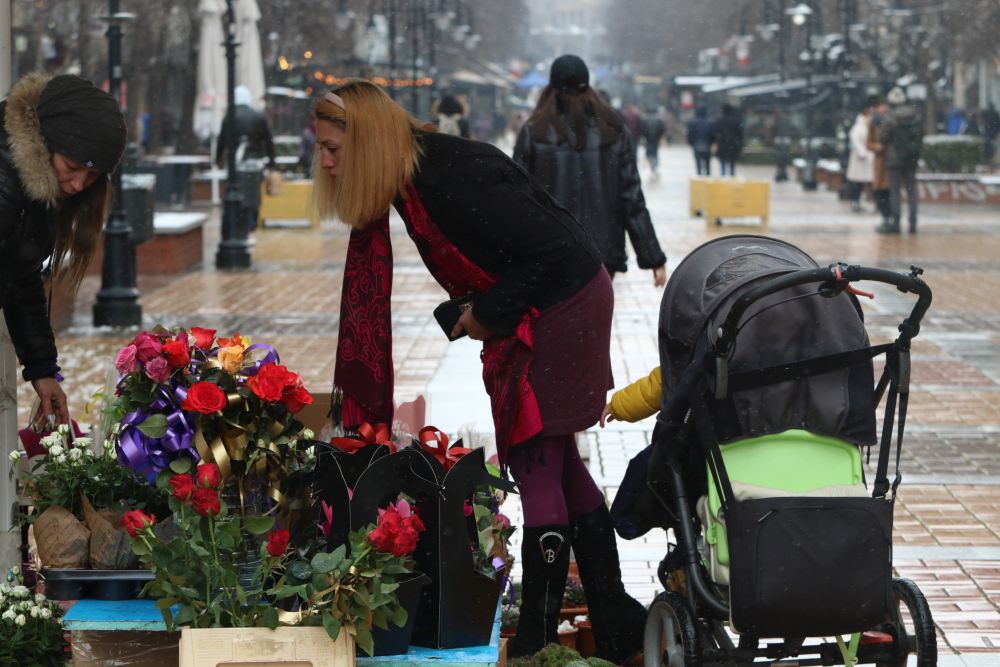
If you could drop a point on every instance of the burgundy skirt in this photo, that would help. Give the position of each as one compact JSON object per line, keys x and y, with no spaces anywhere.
{"x":571,"y":371}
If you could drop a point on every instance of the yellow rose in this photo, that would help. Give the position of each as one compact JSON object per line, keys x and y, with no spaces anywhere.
{"x":231,"y":358}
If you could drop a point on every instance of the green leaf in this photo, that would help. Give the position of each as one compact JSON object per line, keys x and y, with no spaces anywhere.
{"x":399,"y":616}
{"x":289,"y":591}
{"x":363,"y":638}
{"x":155,"y":426}
{"x":332,"y":627}
{"x":185,"y":615}
{"x":139,"y":548}
{"x":300,"y":571}
{"x":241,"y":594}
{"x":165,"y":603}
{"x":181,"y":465}
{"x":388,"y":586}
{"x":269,"y":618}
{"x":379,"y":621}
{"x":258,"y":525}
{"x":324,"y":562}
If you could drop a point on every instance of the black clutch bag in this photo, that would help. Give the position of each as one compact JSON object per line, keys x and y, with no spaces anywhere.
{"x":448,"y":312}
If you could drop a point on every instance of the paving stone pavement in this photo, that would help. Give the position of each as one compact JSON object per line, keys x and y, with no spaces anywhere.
{"x":947,"y":528}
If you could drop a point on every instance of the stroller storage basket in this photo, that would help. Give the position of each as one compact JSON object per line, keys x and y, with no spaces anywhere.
{"x":806,"y":566}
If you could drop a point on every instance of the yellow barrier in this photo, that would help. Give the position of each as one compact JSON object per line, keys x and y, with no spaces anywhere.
{"x":291,"y":204}
{"x":698,"y":194}
{"x":737,"y":201}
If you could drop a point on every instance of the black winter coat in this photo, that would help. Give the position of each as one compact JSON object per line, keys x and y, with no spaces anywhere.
{"x":600,"y":186}
{"x":729,"y":137}
{"x":26,"y":234}
{"x":501,"y":219}
{"x":251,"y":125}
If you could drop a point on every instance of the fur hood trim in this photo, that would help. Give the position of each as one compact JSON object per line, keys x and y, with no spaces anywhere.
{"x":27,"y":146}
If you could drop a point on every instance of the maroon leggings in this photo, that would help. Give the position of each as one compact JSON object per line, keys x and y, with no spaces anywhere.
{"x":554,"y":484}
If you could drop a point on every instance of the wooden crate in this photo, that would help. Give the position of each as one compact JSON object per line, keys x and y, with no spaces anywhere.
{"x":261,"y":647}
{"x":698,"y":194}
{"x":738,"y":201}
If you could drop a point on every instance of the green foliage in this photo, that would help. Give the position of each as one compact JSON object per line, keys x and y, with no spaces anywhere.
{"x":952,"y":154}
{"x":30,"y":630}
{"x":555,"y":655}
{"x":509,"y":616}
{"x":574,"y":595}
{"x":347,"y":591}
{"x":71,"y":469}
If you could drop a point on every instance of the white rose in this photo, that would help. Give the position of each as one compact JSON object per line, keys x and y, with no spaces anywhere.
{"x":75,"y":454}
{"x":88,"y":454}
{"x":34,"y":612}
{"x":83,"y":443}
{"x":20,"y":620}
{"x":39,"y":598}
{"x":8,"y":615}
{"x":20,"y":591}
{"x":307,"y":434}
{"x":63,"y":430}
{"x":15,"y":570}
{"x":61,"y":458}
{"x":15,"y":456}
{"x":56,"y":450}
{"x":51,"y":439}
{"x":4,"y":588}
{"x":46,"y":613}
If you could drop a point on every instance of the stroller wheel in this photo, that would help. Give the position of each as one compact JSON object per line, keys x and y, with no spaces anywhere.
{"x":671,"y":634}
{"x":911,"y":627}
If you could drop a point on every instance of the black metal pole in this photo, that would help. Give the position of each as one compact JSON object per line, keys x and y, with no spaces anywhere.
{"x":846,"y":83}
{"x":809,"y":173}
{"x":118,"y":299}
{"x":391,"y":16}
{"x":233,"y":251}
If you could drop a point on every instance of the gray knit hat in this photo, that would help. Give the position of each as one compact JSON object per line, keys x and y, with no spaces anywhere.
{"x":82,"y":122}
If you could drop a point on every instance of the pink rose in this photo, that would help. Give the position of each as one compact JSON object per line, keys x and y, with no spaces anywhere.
{"x":158,"y":369}
{"x":147,"y":346}
{"x":125,"y":362}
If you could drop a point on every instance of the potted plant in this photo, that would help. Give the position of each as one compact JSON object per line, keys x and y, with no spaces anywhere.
{"x":30,"y":630}
{"x":574,"y":600}
{"x":509,"y":616}
{"x":77,"y":496}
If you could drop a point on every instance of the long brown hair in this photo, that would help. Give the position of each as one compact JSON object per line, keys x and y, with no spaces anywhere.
{"x":379,"y":155}
{"x":579,"y":106}
{"x":78,"y":224}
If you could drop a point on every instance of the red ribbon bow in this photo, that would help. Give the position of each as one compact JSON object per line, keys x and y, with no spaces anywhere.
{"x":370,"y":435}
{"x":435,"y":443}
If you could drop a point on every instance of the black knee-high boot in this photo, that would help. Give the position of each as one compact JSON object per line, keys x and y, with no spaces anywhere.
{"x":544,"y":563}
{"x":618,"y":619}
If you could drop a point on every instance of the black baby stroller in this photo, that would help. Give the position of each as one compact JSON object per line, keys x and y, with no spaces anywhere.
{"x":769,"y":396}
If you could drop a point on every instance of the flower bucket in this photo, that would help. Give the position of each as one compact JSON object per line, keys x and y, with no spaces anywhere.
{"x":568,"y":638}
{"x":261,"y":647}
{"x":585,"y":645}
{"x":396,"y":640}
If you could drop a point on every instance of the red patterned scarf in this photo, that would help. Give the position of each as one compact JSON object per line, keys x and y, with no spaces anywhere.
{"x":365,"y":374}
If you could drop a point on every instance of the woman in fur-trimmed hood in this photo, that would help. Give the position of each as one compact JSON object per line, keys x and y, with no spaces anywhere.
{"x":60,"y":137}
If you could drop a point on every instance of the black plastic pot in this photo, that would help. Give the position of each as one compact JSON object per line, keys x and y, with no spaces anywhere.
{"x":94,"y":584}
{"x":396,"y":640}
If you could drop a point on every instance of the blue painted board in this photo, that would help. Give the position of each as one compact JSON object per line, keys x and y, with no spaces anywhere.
{"x":132,"y":615}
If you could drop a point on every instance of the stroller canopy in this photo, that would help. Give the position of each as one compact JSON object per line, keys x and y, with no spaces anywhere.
{"x":793,"y":325}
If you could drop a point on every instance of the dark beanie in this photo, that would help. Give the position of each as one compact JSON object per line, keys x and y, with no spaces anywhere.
{"x":569,"y":72}
{"x":82,"y":122}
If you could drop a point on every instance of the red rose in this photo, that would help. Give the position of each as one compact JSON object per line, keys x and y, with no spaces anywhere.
{"x":296,"y":398}
{"x":405,"y":543}
{"x":136,"y":521}
{"x":413,"y":522}
{"x":382,"y":539}
{"x":177,"y":353}
{"x":269,"y":382}
{"x":206,"y":502}
{"x":204,"y":397}
{"x":182,"y":486}
{"x":277,"y":542}
{"x":203,"y":337}
{"x":147,"y":347}
{"x":208,"y":475}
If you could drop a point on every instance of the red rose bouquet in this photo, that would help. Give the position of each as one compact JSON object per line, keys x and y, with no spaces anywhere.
{"x":187,"y":394}
{"x":353,"y":587}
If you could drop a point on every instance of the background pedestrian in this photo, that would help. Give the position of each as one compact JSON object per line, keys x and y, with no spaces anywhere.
{"x":701,"y":136}
{"x":861,"y":162}
{"x":728,"y":138}
{"x":902,"y":136}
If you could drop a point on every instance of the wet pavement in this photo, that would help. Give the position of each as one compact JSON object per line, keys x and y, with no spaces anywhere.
{"x":947,"y":527}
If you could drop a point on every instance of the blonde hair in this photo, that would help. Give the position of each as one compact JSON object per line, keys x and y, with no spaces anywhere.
{"x":379,"y":155}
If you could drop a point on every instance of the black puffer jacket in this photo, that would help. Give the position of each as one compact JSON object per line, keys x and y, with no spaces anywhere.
{"x":29,"y":193}
{"x":600,"y":186}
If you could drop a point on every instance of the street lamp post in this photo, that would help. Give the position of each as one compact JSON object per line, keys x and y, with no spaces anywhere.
{"x":802,"y":14}
{"x":233,"y":251}
{"x":118,"y":299}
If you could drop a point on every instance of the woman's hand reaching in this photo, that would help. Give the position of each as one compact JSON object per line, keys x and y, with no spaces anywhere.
{"x":607,"y":415}
{"x":52,"y":401}
{"x":660,"y":276}
{"x":468,"y":323}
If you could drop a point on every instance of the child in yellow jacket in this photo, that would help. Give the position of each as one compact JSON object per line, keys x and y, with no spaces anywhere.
{"x":637,"y":401}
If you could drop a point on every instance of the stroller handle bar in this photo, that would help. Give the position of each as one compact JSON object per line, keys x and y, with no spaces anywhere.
{"x":833,"y":280}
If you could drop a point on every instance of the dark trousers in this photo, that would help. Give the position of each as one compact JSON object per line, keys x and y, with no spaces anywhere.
{"x":898,"y":178}
{"x":881,"y":198}
{"x":703,"y":163}
{"x":854,"y":190}
{"x":723,"y":163}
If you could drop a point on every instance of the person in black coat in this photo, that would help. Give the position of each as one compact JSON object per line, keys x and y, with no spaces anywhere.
{"x":60,"y":137}
{"x":576,"y":145}
{"x":254,"y":135}
{"x":526,"y":279}
{"x":728,"y":138}
{"x":701,"y":136}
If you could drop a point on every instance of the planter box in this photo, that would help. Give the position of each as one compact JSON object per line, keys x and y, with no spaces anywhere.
{"x":261,"y":647}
